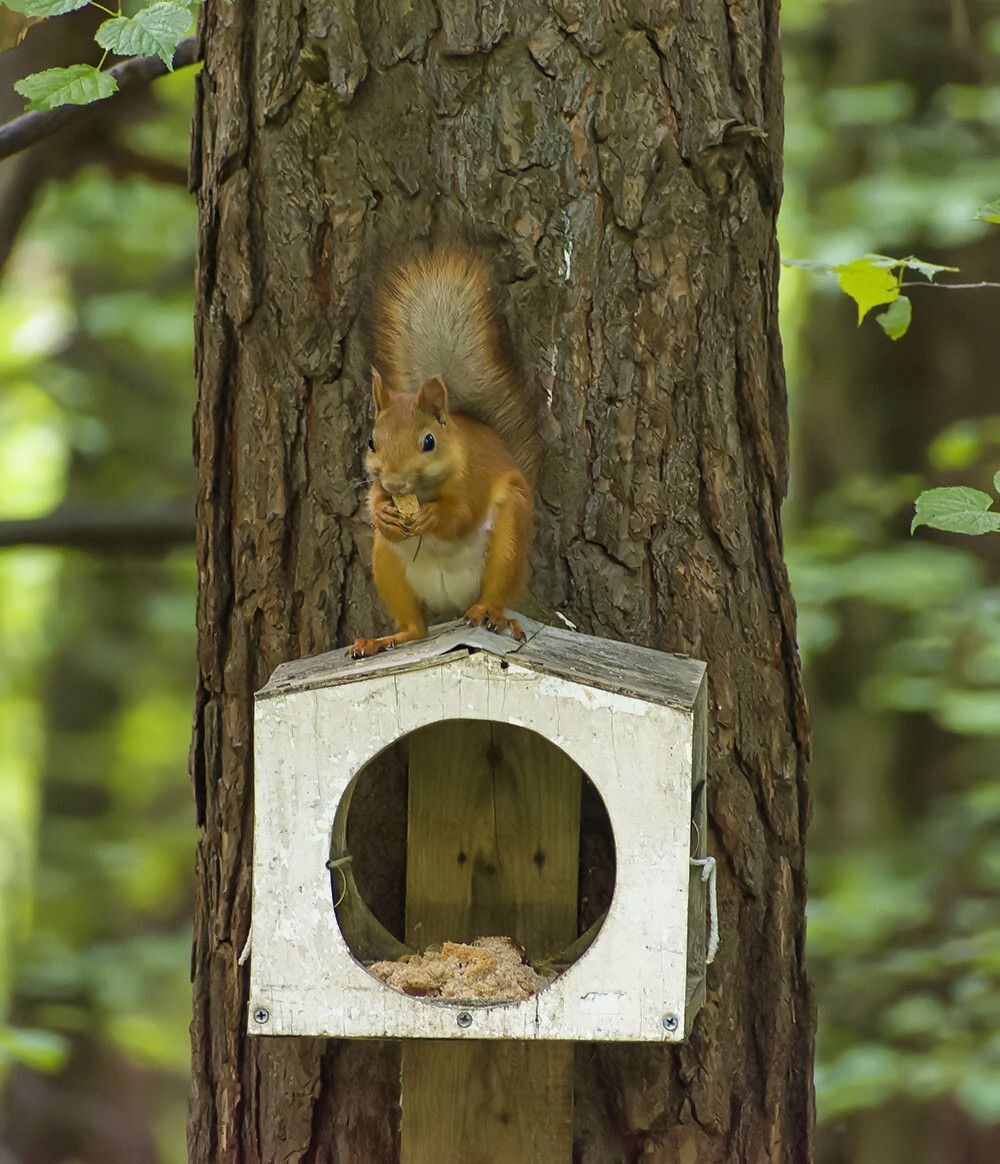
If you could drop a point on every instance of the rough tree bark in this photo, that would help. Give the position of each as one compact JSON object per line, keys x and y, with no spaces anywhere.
{"x":622,"y":162}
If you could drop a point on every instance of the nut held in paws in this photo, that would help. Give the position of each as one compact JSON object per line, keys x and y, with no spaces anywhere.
{"x":407,"y":504}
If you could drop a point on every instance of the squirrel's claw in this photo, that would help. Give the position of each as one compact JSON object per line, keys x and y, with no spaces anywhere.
{"x":517,"y":630}
{"x":494,"y":619}
{"x":390,"y":523}
{"x":365,"y":648}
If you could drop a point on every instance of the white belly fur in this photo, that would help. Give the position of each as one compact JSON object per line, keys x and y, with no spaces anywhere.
{"x":445,"y":575}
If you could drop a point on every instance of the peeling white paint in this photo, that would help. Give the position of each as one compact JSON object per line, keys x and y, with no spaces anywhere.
{"x":607,"y":1003}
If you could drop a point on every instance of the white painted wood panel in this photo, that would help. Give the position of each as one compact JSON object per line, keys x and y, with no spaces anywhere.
{"x":632,"y":719}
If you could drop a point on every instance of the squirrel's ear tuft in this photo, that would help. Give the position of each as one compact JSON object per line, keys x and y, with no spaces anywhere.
{"x":433,"y":399}
{"x":380,"y":394}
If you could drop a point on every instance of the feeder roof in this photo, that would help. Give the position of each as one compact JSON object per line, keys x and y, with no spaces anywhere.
{"x":637,"y":672}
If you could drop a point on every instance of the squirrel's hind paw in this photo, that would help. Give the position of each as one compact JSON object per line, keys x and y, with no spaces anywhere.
{"x":365,"y":648}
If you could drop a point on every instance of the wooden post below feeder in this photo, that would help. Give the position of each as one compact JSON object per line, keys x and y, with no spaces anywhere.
{"x":493,"y":849}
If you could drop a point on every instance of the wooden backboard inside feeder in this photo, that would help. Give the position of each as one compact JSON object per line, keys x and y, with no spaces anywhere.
{"x":632,"y":719}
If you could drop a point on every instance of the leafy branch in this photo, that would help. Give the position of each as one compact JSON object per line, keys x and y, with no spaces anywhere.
{"x":155,"y":30}
{"x":29,"y":128}
{"x":877,"y":280}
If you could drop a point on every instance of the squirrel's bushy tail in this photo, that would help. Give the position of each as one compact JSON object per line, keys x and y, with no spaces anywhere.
{"x":436,"y":317}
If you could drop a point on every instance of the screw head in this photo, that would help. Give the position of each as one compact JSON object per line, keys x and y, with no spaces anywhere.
{"x":464,"y":1018}
{"x":261,"y":1015}
{"x":670,"y":1022}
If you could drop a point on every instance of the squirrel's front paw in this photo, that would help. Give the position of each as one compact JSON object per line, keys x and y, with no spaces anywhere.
{"x":427,"y":519}
{"x":494,"y":619}
{"x":390,"y":522}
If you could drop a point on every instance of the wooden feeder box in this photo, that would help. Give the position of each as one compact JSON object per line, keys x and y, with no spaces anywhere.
{"x":497,"y":734}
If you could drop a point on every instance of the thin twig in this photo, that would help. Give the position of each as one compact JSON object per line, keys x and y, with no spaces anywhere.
{"x":32,"y":127}
{"x":948,"y":286}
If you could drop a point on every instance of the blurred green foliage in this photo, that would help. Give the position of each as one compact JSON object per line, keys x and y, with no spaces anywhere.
{"x":900,"y":635}
{"x":904,"y":940}
{"x":97,"y":648}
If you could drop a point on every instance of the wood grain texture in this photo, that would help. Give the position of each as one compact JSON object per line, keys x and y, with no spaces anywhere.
{"x":608,"y":157}
{"x":493,"y":849}
{"x":478,"y":1102}
{"x":673,"y":680}
{"x":494,"y":838}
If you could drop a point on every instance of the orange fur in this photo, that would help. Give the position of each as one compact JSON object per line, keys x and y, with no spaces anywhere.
{"x":451,"y":420}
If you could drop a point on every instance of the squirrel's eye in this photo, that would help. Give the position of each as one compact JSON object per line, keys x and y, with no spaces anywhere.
{"x":371,"y":443}
{"x":428,"y":445}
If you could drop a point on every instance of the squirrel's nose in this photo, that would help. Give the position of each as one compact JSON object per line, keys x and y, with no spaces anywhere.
{"x":396,"y":485}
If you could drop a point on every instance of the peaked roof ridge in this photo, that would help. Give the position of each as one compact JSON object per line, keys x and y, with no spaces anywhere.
{"x":626,"y":668}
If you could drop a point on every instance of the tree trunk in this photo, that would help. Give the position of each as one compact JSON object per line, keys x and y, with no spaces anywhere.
{"x":620,"y":165}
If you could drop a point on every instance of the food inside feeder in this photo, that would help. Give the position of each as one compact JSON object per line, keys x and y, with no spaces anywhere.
{"x":490,"y":969}
{"x":407,"y":504}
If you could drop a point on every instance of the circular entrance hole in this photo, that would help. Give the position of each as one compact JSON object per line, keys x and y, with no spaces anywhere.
{"x":466,"y":830}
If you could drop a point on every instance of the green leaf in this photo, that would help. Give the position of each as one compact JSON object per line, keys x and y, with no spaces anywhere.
{"x":864,"y":1076}
{"x":896,"y":319}
{"x":39,"y":1050}
{"x":77,"y":85}
{"x":917,"y":576}
{"x":988,"y":213}
{"x":960,"y":445}
{"x":996,"y":481}
{"x":928,"y":270}
{"x":921,"y":1014}
{"x":44,"y":7}
{"x":956,"y":508}
{"x":979,"y":1091}
{"x":157,"y":29}
{"x":971,"y":712}
{"x":868,"y":283}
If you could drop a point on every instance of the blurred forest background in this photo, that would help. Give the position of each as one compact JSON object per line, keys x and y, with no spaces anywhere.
{"x":893,"y":143}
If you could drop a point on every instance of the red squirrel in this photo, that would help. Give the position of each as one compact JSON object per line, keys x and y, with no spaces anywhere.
{"x":453,"y":454}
